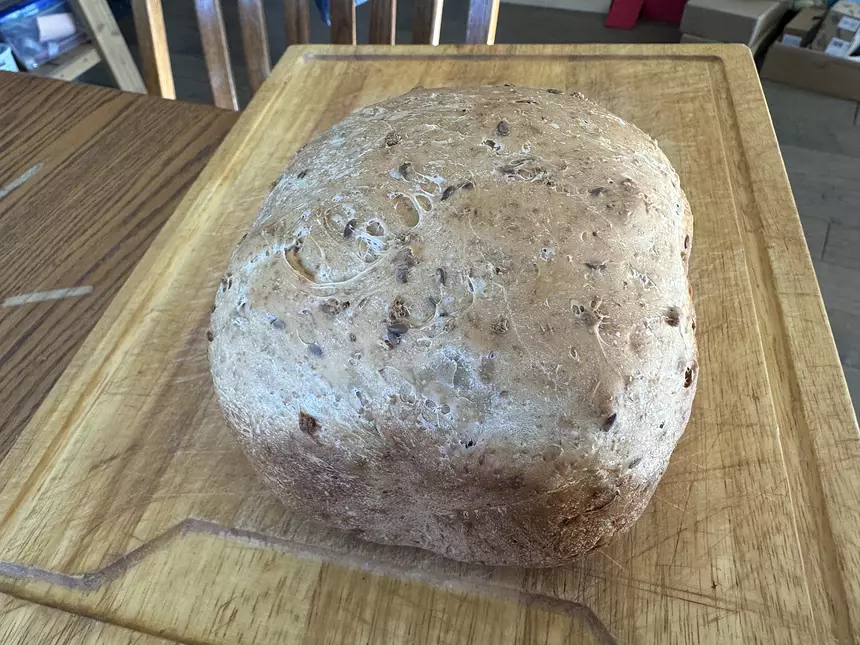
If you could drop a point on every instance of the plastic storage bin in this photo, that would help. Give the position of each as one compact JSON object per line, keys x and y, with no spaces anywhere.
{"x":39,"y":30}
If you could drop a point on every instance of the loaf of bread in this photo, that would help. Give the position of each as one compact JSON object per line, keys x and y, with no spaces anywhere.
{"x":462,"y":322}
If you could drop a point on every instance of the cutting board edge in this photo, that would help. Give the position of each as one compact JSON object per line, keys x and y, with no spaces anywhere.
{"x":778,"y":262}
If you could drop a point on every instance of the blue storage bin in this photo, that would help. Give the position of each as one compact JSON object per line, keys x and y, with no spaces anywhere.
{"x":40,"y":30}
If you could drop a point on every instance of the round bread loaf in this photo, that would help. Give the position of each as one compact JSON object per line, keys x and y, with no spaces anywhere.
{"x":462,"y":322}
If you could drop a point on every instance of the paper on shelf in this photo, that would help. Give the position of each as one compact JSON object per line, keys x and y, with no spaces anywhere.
{"x":55,"y":26}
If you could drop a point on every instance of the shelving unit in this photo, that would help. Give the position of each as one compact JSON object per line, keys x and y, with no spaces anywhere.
{"x":107,"y":44}
{"x":98,"y":19}
{"x":70,"y":65}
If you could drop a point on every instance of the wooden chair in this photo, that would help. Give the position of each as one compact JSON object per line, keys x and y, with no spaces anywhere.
{"x":152,"y":36}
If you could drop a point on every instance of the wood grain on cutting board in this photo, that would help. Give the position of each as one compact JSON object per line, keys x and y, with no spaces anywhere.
{"x":26,"y":623}
{"x":126,"y":500}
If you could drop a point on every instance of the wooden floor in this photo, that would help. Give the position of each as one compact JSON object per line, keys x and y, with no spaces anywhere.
{"x":819,"y":136}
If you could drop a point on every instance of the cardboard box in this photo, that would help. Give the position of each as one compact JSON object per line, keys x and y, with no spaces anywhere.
{"x":802,"y":28}
{"x":812,"y":70}
{"x":733,"y":21}
{"x":839,"y":34}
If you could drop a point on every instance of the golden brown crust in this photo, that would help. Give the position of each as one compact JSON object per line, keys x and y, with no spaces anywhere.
{"x":462,"y":322}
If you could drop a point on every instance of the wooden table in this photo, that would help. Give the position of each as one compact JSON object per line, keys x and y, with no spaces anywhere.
{"x":127,"y":511}
{"x":88,"y":176}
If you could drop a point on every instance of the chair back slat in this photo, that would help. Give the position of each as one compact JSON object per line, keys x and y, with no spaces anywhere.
{"x":152,"y":41}
{"x":342,"y":22}
{"x":255,"y":42}
{"x":155,"y":58}
{"x":383,"y":21}
{"x":427,"y":22}
{"x":298,"y":21}
{"x":481,"y":24}
{"x":216,"y":53}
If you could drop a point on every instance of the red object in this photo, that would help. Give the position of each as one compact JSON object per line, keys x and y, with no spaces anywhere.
{"x":664,"y":10}
{"x":623,"y":14}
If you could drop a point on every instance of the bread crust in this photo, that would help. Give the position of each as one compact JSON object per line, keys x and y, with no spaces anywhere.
{"x":462,"y":322}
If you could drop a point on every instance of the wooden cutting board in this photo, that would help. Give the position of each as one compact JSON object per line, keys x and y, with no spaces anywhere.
{"x":126,"y":501}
